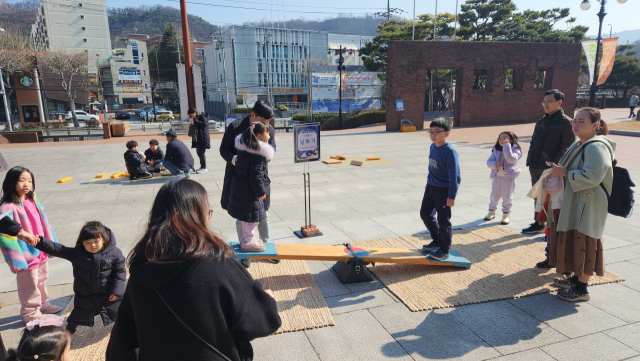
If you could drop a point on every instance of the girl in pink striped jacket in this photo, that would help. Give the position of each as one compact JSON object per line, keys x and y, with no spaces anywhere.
{"x":28,"y":263}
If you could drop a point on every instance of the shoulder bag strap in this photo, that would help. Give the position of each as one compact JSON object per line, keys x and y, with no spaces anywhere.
{"x":190,"y":330}
{"x":582,"y":151}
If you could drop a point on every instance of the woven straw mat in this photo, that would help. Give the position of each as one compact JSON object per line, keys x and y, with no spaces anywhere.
{"x":300,"y":305}
{"x":503,"y":268}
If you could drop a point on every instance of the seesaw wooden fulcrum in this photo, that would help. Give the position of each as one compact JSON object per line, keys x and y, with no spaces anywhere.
{"x":350,"y":261}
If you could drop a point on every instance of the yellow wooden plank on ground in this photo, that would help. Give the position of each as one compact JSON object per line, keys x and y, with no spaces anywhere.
{"x":337,"y":253}
{"x":64,"y":180}
{"x":100,"y":175}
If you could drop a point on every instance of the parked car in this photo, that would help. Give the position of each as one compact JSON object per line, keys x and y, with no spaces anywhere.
{"x":161,"y":114}
{"x":81,"y":115}
{"x":122,"y":114}
{"x":141,"y":113}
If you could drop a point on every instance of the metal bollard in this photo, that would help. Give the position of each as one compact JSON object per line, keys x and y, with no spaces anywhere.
{"x":68,"y":131}
{"x":143,"y":129}
{"x":88,"y":130}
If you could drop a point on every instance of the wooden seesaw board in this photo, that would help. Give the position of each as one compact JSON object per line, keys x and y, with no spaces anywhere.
{"x":341,"y":253}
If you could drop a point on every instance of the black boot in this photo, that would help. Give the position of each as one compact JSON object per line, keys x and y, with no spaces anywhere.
{"x":71,"y":328}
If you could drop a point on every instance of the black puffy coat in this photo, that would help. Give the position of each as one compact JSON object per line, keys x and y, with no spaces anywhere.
{"x":178,"y":154}
{"x":250,"y":182}
{"x":135,"y":162}
{"x":217,"y":299}
{"x":202,"y":131}
{"x":96,"y":276}
{"x":552,"y":135}
{"x":228,"y":150}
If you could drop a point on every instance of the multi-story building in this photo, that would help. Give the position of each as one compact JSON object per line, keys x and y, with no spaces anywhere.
{"x":247,"y":63}
{"x":350,"y":45}
{"x":73,"y":24}
{"x":124,"y":77}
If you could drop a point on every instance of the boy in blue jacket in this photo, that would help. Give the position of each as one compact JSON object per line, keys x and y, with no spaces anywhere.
{"x":442,"y":187}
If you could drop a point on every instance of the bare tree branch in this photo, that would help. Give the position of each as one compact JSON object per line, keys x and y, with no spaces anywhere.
{"x":15,"y":57}
{"x":68,"y":63}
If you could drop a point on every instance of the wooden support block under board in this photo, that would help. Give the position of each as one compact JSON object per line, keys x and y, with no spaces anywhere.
{"x":116,"y":175}
{"x":100,"y":175}
{"x":331,"y":161}
{"x":357,"y":162}
{"x":341,"y":157}
{"x":373,"y":158}
{"x":334,"y":157}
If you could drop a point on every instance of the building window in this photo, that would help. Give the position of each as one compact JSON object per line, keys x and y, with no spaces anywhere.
{"x":480,"y":79}
{"x":85,"y":40}
{"x":134,"y":52}
{"x":84,"y":28}
{"x":259,"y":66}
{"x":219,"y":57}
{"x":542,"y":79}
{"x":197,"y":52}
{"x":144,"y":72}
{"x":513,"y":79}
{"x":81,"y":16}
{"x":220,"y":77}
{"x":80,"y":4}
{"x":286,"y":52}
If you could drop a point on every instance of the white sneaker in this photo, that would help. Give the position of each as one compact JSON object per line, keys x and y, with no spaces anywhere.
{"x":166,"y":173}
{"x":180,"y":176}
{"x":187,"y":174}
{"x":201,"y":170}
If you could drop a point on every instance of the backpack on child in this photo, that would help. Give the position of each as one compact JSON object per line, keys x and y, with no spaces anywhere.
{"x":621,"y":198}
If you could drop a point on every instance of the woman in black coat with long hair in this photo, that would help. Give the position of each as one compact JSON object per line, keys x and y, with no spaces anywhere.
{"x":183,"y":275}
{"x":201,"y":139}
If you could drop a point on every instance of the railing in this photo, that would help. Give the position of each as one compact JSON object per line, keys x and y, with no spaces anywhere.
{"x":294,"y":105}
{"x":70,"y":138}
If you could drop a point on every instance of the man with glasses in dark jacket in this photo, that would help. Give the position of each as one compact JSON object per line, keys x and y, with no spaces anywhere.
{"x":552,"y":136}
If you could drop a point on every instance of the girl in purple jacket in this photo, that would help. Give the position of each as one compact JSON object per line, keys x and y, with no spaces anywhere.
{"x":504,"y":170}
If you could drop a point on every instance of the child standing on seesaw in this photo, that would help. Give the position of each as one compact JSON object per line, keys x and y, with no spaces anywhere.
{"x":442,"y":187}
{"x":27,"y":262}
{"x":99,"y":274}
{"x":250,"y":186}
{"x":503,"y":163}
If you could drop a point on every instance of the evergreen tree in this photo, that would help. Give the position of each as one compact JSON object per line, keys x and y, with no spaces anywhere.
{"x":625,"y":74}
{"x":164,"y":57}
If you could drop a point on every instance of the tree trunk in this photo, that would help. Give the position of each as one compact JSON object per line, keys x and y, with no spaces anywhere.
{"x":72,"y":103}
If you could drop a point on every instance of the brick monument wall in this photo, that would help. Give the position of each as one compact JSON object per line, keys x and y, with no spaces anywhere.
{"x":410,"y":60}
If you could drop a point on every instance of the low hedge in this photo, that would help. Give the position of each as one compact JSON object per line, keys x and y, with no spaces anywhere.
{"x":282,"y":108}
{"x":304,"y":118}
{"x":242,"y":110}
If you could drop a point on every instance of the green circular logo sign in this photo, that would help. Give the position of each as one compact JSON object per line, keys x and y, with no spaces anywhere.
{"x":26,"y":80}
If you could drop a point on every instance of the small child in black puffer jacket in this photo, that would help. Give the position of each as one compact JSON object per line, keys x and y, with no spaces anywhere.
{"x":99,"y":274}
{"x":250,"y":186}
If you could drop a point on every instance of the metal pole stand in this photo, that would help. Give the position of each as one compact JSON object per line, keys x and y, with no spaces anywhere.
{"x":309,"y":229}
{"x":353,"y":270}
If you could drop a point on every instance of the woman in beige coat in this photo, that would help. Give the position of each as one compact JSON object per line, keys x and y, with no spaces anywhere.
{"x":577,"y":227}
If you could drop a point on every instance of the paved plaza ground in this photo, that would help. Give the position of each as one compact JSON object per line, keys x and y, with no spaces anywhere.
{"x":360,"y":203}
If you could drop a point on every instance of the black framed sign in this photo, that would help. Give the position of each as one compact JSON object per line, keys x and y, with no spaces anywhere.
{"x":306,"y":142}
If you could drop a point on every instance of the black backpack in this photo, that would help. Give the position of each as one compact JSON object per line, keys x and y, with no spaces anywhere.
{"x":621,"y":198}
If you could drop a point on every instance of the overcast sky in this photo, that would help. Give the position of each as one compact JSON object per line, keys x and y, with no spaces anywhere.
{"x":622,"y":16}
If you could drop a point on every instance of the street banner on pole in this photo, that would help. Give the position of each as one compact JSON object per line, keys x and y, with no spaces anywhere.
{"x":590,"y":48}
{"x":609,"y":47}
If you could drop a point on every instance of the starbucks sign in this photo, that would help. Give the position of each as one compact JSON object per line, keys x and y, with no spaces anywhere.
{"x":26,"y":80}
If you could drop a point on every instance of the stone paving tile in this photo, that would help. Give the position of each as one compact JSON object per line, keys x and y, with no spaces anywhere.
{"x":401,"y":224}
{"x":432,"y":334}
{"x":571,"y":319}
{"x":289,"y":346}
{"x":531,"y":355}
{"x":363,"y":229}
{"x":630,"y":271}
{"x":616,"y":255}
{"x":358,"y":301}
{"x":356,"y":336}
{"x":616,"y":299}
{"x":326,"y":280}
{"x":505,"y":327}
{"x":610,"y":242}
{"x":597,"y":346}
{"x":628,"y":335}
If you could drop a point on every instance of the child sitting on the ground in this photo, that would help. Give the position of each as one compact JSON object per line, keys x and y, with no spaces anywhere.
{"x":442,"y":187}
{"x":154,"y":156}
{"x":503,"y":163}
{"x":99,"y":274}
{"x":43,"y":340}
{"x":250,"y":186}
{"x":135,"y":162}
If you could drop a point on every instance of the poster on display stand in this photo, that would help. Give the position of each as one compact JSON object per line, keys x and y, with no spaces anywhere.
{"x":228,"y":119}
{"x":306,"y":142}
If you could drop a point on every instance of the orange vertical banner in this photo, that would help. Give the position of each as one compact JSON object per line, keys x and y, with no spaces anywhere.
{"x":609,"y":47}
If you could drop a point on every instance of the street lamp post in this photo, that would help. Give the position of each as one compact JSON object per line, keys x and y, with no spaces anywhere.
{"x":586,"y":4}
{"x":340,"y":69}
